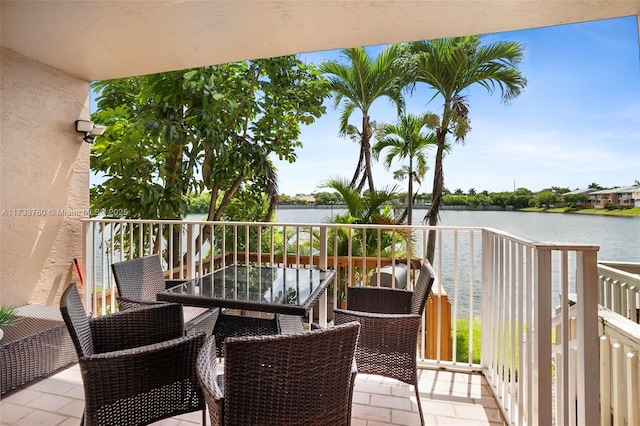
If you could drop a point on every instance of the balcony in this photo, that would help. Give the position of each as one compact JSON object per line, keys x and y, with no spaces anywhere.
{"x":495,"y":338}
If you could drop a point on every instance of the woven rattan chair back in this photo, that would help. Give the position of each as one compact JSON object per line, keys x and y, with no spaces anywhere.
{"x":139,"y":279}
{"x":422,"y":288}
{"x":77,"y":321}
{"x":137,"y":365}
{"x":297,"y":379}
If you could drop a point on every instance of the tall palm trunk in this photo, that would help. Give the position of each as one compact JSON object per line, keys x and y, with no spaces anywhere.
{"x":366,"y":149}
{"x":410,"y":193}
{"x":358,"y":167}
{"x":436,"y":199}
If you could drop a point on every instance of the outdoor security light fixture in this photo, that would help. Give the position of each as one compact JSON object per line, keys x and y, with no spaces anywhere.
{"x":89,"y":129}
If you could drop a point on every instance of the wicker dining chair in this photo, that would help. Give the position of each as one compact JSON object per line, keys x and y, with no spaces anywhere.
{"x":295,"y":379}
{"x":137,"y":366}
{"x":390,"y":320}
{"x":139,"y":280}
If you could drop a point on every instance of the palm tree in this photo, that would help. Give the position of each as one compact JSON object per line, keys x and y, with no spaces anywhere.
{"x":370,"y":207}
{"x":363,"y":208}
{"x":406,"y":140}
{"x":357,"y":85}
{"x":451,"y":66}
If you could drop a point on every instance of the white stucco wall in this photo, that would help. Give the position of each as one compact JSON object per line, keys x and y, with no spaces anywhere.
{"x":44,"y":168}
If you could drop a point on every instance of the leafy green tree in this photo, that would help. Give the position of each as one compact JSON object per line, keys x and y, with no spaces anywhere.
{"x":406,"y":140}
{"x":454,"y":200}
{"x":274,"y":97}
{"x":356,"y":85}
{"x":575,"y":200}
{"x":325,"y":198}
{"x":458,"y":191}
{"x":150,"y":150}
{"x":472,"y":191}
{"x":285,"y":199}
{"x":224,"y":121}
{"x":423,"y":198}
{"x":546,"y":198}
{"x":502,"y":199}
{"x":595,"y":186}
{"x":450,"y":67}
{"x":480,"y":200}
{"x":199,"y":203}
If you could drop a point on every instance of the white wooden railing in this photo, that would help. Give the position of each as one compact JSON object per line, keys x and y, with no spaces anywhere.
{"x":619,"y":369}
{"x":526,"y":363}
{"x":619,"y":331}
{"x":506,"y":284}
{"x":619,"y":288}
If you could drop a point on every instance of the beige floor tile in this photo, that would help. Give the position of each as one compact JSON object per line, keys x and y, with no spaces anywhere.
{"x":74,"y":409}
{"x":49,"y":402}
{"x":11,"y":413}
{"x":393,"y":402}
{"x":438,"y":408}
{"x":370,"y":413}
{"x":407,"y":418}
{"x":37,"y":417}
{"x":54,"y":385}
{"x":448,"y":398}
{"x":21,"y":396}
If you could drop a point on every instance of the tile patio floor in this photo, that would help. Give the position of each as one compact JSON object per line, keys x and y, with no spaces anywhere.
{"x":448,"y":398}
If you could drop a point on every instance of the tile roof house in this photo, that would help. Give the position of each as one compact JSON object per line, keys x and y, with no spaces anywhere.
{"x":625,"y":197}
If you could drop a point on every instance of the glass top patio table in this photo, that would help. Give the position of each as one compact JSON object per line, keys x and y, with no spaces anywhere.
{"x":284,"y":290}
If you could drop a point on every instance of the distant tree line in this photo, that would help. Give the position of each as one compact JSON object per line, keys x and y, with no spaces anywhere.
{"x":518,"y":199}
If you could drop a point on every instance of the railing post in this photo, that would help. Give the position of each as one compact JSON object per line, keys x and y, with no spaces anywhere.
{"x":587,"y":329}
{"x":542,"y":409}
{"x":322,"y":264}
{"x":87,"y":242}
{"x":191,"y":249}
{"x":487,"y":300}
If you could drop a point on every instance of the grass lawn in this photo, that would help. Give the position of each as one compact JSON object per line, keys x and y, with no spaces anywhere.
{"x":634,"y":212}
{"x":462,"y":340}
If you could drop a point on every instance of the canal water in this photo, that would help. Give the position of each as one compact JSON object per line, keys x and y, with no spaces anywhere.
{"x":618,"y":237}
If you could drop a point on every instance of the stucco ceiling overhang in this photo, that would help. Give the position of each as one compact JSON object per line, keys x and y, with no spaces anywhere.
{"x":108,"y":39}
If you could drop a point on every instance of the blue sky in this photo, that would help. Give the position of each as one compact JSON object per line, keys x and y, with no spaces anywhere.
{"x":577,"y":121}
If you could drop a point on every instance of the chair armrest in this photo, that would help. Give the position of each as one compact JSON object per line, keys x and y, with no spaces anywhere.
{"x":137,"y":327}
{"x":379,"y":299}
{"x":142,"y":369}
{"x":126,"y":303}
{"x":211,"y":383}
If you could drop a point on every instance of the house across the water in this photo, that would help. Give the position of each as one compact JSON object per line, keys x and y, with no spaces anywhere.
{"x":626,"y":197}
